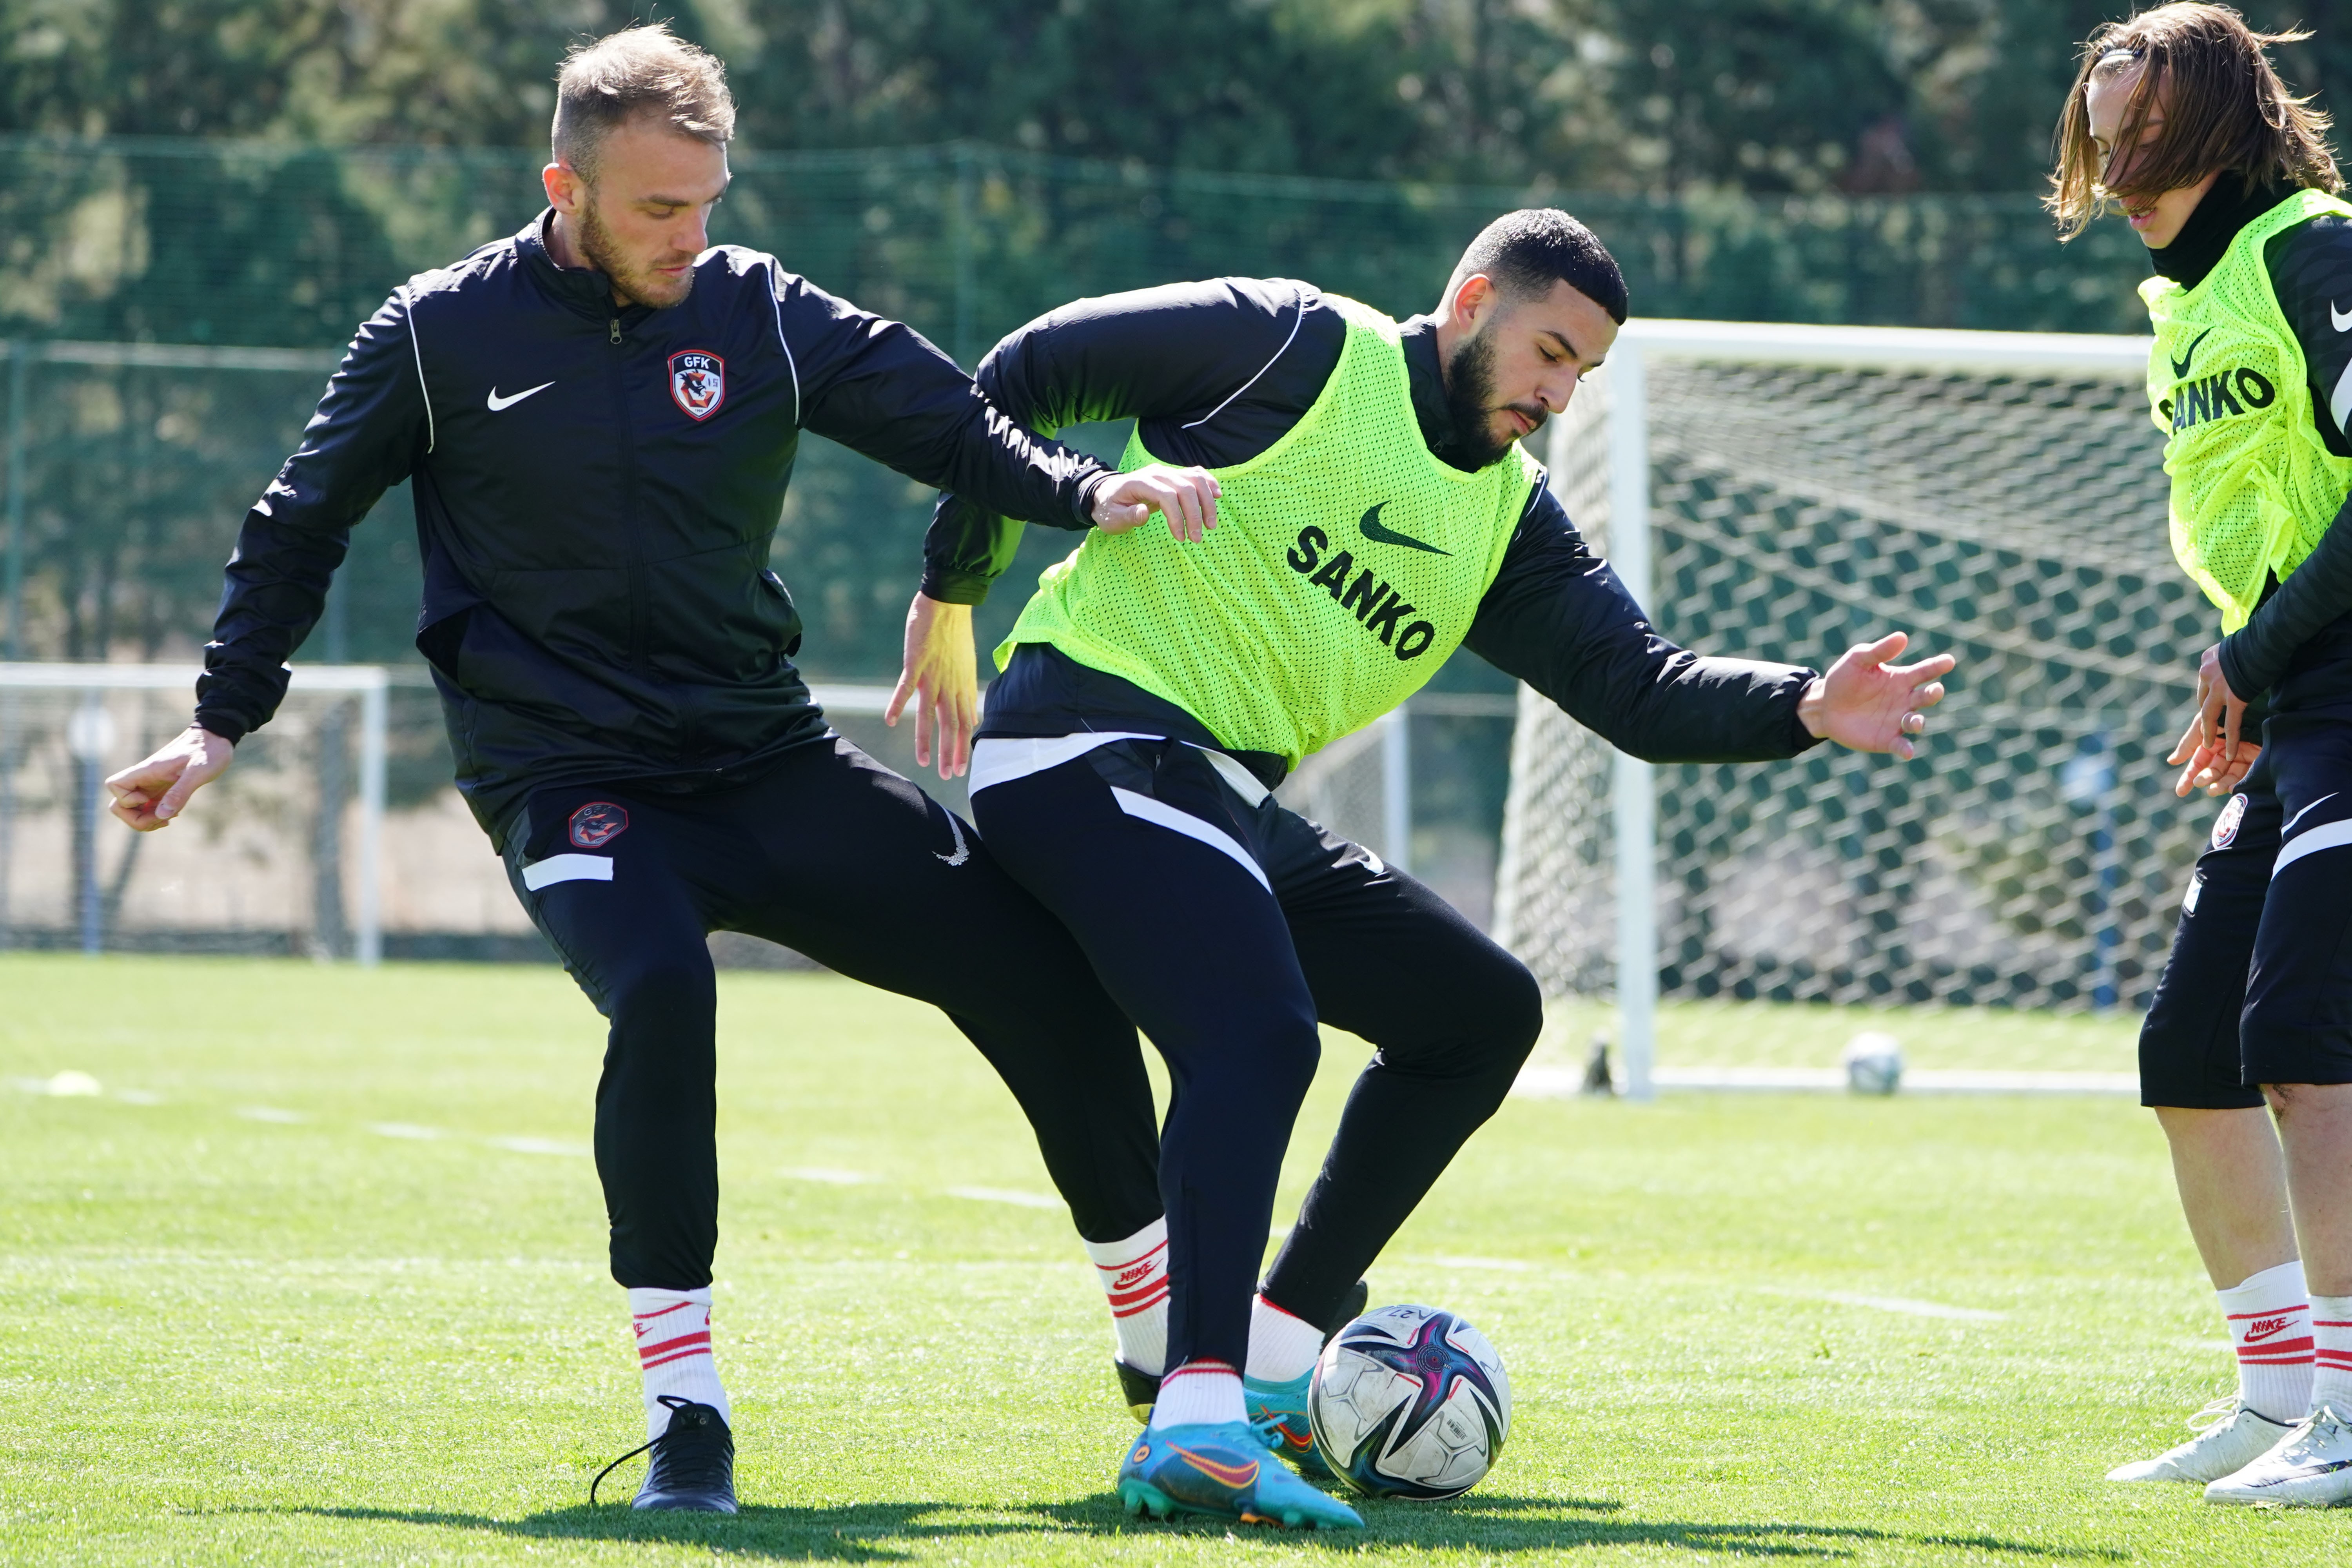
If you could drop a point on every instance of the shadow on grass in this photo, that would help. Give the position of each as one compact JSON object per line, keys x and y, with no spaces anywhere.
{"x":885,"y":1532}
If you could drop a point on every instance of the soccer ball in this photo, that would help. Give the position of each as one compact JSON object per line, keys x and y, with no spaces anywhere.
{"x":1874,"y":1063}
{"x":1410,"y":1402}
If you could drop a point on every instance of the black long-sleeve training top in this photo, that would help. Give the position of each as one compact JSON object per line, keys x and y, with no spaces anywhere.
{"x":1217,"y":373}
{"x":2310,"y":269}
{"x":596,"y":491}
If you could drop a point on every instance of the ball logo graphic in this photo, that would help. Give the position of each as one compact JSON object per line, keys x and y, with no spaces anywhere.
{"x":1410,"y":1402}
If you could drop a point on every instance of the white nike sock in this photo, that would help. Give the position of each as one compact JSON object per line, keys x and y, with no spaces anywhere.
{"x":1199,"y":1392}
{"x":1134,"y":1274}
{"x":2331,"y":1336}
{"x":674,"y":1351}
{"x":1281,"y":1346}
{"x":2269,"y":1319}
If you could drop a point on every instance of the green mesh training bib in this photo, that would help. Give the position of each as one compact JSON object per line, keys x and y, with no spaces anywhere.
{"x":1346,"y":564}
{"x":2253,"y":486}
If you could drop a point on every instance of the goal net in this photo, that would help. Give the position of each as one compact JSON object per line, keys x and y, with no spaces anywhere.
{"x":283,"y":854}
{"x":1785,"y":491}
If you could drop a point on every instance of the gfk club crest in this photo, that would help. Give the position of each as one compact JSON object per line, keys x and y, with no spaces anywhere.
{"x":597,"y":824}
{"x":698,"y":383}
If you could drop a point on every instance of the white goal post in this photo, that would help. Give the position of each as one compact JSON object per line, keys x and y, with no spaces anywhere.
{"x":1778,"y":491}
{"x":65,"y":727}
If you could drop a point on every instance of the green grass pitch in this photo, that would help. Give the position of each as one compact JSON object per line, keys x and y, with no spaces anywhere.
{"x":317,"y":1277}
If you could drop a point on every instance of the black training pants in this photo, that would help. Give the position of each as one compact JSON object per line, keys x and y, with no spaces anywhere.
{"x":1226,"y":926}
{"x":836,"y":857}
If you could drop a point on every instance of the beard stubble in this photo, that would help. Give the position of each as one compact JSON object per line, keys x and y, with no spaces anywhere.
{"x":1470,"y":408}
{"x":637,"y":286}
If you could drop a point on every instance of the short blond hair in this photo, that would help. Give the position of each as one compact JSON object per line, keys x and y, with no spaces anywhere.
{"x":639,"y":70}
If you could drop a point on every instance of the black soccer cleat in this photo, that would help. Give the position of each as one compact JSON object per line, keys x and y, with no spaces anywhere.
{"x":693,"y":1466}
{"x":1141,"y":1389}
{"x":1358,"y":1299}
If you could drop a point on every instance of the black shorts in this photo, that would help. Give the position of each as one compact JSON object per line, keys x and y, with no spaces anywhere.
{"x":2259,"y":986}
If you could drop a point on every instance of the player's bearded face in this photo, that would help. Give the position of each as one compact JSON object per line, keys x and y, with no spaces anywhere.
{"x":1481,"y":428}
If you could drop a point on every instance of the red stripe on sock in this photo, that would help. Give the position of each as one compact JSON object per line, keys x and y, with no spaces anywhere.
{"x":667,"y":1346}
{"x":702,"y":1350}
{"x":1128,"y":1298}
{"x":2277,"y":1312}
{"x":2275,"y":1347}
{"x":1189,"y":1367}
{"x":2328,"y":1323}
{"x":666,"y":1312}
{"x":1141,"y":1306}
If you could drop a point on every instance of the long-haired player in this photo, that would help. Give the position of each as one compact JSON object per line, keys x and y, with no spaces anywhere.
{"x":2178,"y":118}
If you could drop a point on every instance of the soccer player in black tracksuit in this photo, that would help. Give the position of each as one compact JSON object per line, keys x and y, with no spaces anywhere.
{"x":599,"y":416}
{"x":1226,"y":974}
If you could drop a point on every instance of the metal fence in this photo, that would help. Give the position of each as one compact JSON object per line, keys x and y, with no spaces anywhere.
{"x":169,"y":311}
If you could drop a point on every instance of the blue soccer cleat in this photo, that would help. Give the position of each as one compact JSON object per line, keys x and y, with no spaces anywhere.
{"x":1279,"y":1412}
{"x":1225,"y":1472}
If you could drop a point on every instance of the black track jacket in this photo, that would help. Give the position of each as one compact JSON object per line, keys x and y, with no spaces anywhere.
{"x":596,"y":490}
{"x":1217,"y":373}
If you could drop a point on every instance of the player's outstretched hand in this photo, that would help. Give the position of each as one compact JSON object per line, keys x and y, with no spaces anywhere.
{"x":2213,"y":753}
{"x":938,"y":672}
{"x":1866,"y":704}
{"x":148,"y":795}
{"x":1186,"y":497}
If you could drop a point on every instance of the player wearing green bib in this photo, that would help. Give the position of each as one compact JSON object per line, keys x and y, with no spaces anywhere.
{"x":2179,"y":119}
{"x":1372,"y":512}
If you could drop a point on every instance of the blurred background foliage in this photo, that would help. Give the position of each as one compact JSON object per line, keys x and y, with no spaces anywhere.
{"x":260,"y":173}
{"x":1651,"y":96}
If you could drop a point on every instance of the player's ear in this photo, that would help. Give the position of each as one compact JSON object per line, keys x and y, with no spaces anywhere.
{"x":1473,"y":298}
{"x":564,"y":188}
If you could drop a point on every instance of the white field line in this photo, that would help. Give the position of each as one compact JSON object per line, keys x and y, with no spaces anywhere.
{"x":541,"y":1146}
{"x":73,"y":1085}
{"x":1006,"y":1196}
{"x":67,"y":1084}
{"x":1906,"y":1306}
{"x":1568,"y":1083}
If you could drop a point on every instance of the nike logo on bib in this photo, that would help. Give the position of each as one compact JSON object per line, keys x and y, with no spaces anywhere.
{"x":2180,"y":365}
{"x":1381,"y":533}
{"x":500,"y":404}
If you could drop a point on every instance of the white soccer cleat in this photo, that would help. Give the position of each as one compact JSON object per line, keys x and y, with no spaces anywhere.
{"x":2311,"y":1466}
{"x":2229,"y":1438}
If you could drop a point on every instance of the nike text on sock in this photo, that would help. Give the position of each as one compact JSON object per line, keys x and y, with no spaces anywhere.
{"x":2269,"y":1319}
{"x":1134,"y":1274}
{"x":1199,"y":1392}
{"x":1281,"y":1345}
{"x":2331,"y":1334}
{"x":673,"y":1330}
